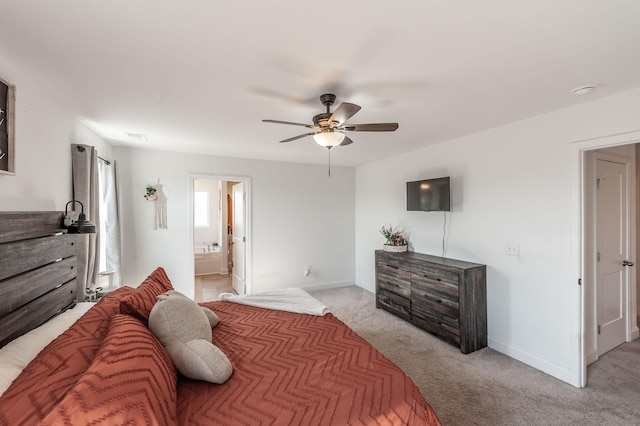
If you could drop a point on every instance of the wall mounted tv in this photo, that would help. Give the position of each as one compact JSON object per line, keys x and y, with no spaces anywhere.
{"x":429,"y":195}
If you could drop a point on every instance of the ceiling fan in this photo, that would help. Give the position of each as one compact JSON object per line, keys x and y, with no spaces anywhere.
{"x":328,"y":128}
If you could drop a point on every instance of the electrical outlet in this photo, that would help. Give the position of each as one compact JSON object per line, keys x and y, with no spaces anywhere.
{"x":512,"y":249}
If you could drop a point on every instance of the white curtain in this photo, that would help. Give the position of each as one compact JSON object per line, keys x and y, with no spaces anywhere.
{"x":84,"y":170}
{"x":110,"y":221}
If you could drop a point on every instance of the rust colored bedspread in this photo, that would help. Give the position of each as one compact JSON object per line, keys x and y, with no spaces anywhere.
{"x":293,"y":369}
{"x":289,"y":369}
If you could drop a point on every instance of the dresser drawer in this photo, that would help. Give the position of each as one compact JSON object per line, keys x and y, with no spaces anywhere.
{"x":434,"y":311}
{"x":435,"y":292}
{"x":435,"y":274}
{"x":436,"y":284}
{"x":438,"y":323}
{"x":394,"y":276}
{"x":401,"y":288}
{"x":432,"y":302}
{"x":393,"y":303}
{"x":392,"y":262}
{"x":438,"y":328}
{"x":397,"y":272}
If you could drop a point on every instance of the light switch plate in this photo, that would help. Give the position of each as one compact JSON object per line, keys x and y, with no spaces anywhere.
{"x":512,"y":249}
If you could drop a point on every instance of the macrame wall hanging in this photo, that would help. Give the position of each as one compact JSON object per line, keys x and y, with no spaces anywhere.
{"x":159,"y":194}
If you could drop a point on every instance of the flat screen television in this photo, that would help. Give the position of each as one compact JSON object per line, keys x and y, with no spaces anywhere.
{"x":429,"y":195}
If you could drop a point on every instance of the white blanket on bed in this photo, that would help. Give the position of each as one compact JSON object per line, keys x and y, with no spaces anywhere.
{"x":15,"y":355}
{"x":288,"y":299}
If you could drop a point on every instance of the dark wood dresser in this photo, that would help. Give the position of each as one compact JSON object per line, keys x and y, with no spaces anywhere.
{"x":446,"y":297}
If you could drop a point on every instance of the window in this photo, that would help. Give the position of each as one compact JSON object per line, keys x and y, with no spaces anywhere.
{"x":201,"y":209}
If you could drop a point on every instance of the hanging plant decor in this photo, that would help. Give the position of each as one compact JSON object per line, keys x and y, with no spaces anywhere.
{"x":151,"y":193}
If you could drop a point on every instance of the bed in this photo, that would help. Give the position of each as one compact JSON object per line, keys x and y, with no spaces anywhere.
{"x":108,"y":367}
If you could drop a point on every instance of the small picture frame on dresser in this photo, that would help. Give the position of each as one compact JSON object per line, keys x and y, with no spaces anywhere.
{"x":7,"y":127}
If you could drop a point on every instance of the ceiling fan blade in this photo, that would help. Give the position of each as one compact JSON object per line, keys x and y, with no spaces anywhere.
{"x":373,"y":127}
{"x":346,"y":141}
{"x":344,"y":112}
{"x":282,"y":96}
{"x":297,"y":137}
{"x":311,"y":126}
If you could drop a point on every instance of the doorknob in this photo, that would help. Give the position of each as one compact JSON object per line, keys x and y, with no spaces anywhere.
{"x":627,"y":263}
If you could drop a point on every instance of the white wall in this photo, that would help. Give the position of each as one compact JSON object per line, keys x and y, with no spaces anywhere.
{"x":45,"y":129}
{"x":299,"y":218}
{"x":517,"y":183}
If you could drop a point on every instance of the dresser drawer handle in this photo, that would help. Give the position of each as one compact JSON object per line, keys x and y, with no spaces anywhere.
{"x":392,"y":266}
{"x":439,"y":300}
{"x":432,"y":278}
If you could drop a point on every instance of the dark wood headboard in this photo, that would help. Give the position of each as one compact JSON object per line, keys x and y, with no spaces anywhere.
{"x":38,"y":270}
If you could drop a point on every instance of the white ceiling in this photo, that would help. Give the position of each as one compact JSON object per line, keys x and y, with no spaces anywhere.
{"x":200,"y":75}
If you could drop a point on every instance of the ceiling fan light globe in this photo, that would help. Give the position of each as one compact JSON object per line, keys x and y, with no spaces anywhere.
{"x":329,"y":139}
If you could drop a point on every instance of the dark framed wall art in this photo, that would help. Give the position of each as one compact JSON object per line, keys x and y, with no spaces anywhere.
{"x":7,"y":127}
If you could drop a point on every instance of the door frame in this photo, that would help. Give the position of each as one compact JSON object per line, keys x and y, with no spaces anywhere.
{"x":581,"y":250}
{"x":248,"y":230}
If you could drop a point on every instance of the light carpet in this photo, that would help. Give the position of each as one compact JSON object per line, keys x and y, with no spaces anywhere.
{"x":487,"y":387}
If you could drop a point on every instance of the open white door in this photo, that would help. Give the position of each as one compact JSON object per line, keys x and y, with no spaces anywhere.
{"x":239,"y":237}
{"x":613,"y":253}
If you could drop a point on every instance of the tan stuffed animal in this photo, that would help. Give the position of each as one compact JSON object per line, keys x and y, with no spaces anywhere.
{"x":184,"y":328}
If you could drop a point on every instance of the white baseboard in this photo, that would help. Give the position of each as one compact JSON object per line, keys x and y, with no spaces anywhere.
{"x":326,"y":286}
{"x":635,"y":333}
{"x":555,"y":370}
{"x":370,"y":288}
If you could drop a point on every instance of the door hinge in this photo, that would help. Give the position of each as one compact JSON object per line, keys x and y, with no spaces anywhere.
{"x":579,"y":281}
{"x":598,"y":183}
{"x":598,"y":256}
{"x":598,"y":328}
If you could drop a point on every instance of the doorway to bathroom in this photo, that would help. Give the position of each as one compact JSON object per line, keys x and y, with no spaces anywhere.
{"x":220,"y":235}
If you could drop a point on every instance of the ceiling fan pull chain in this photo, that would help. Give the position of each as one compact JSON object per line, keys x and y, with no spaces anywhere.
{"x":329,"y":162}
